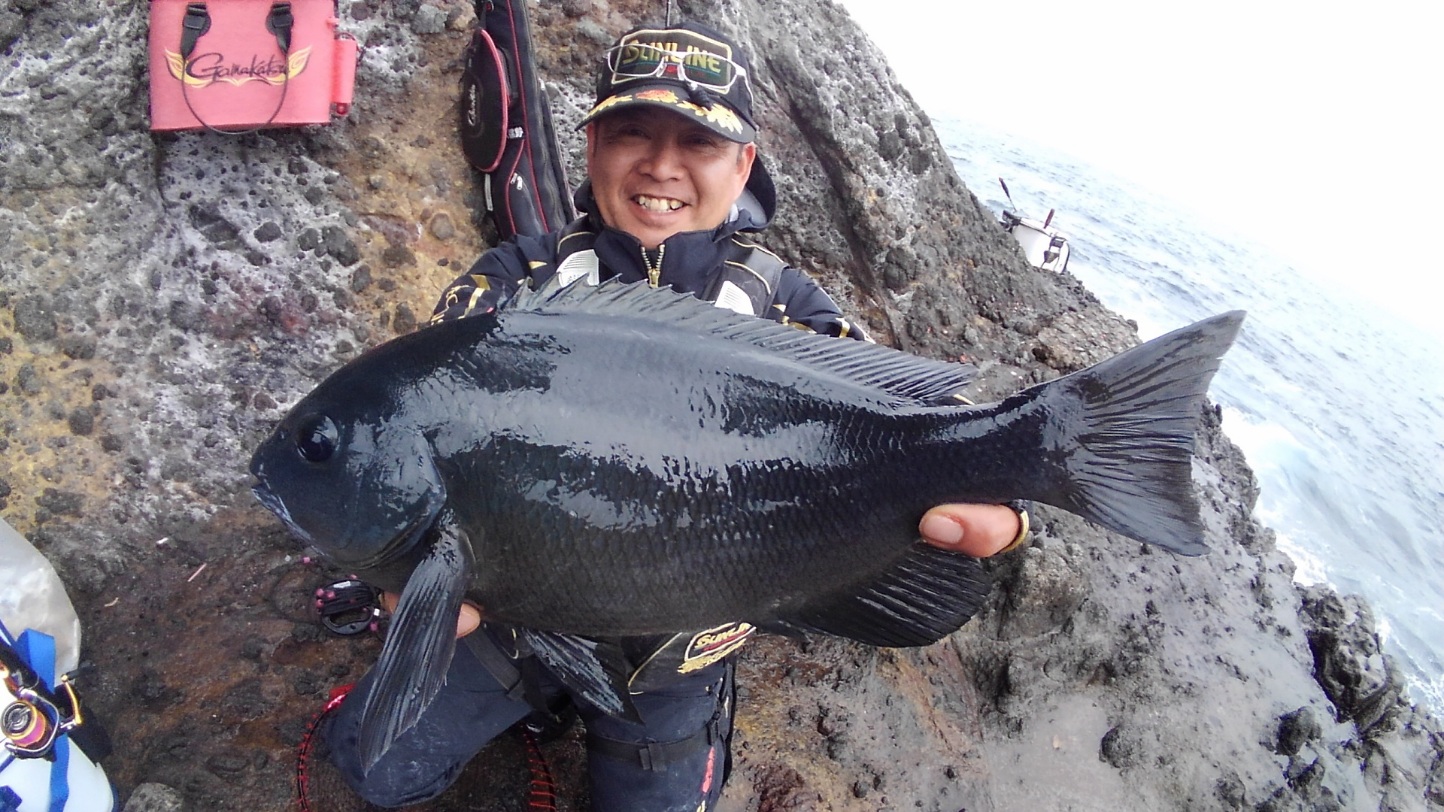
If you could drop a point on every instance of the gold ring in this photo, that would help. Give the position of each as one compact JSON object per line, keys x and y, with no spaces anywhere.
{"x":1020,"y":538}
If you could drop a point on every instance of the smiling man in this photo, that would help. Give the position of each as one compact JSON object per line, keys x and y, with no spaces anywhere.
{"x":675,"y":191}
{"x":654,"y":176}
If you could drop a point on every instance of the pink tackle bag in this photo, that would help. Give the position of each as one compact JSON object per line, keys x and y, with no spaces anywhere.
{"x":242,"y":65}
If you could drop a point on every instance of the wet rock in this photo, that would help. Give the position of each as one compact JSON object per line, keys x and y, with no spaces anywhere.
{"x":1361,"y":681}
{"x":361,"y":279}
{"x":429,"y":20}
{"x":35,"y":318}
{"x":81,"y":421}
{"x":1230,"y":791}
{"x":1120,"y":748}
{"x":404,"y":320}
{"x":61,"y":502}
{"x":338,"y":245}
{"x":268,"y":231}
{"x":228,"y":764}
{"x":1295,"y":730}
{"x":149,"y":686}
{"x":1047,"y":591}
{"x":78,"y":347}
{"x":441,"y":226}
{"x":151,"y":797}
{"x":29,"y":381}
{"x":398,"y":256}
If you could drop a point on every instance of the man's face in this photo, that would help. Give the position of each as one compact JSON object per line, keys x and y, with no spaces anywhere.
{"x":655,"y":173}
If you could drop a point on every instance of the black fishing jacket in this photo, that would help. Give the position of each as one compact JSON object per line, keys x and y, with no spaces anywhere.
{"x":689,"y":262}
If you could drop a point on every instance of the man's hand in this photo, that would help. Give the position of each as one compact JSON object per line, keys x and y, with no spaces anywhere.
{"x":466,"y":622}
{"x":976,"y":530}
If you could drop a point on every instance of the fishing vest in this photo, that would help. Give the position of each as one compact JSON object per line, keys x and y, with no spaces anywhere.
{"x":746,"y":284}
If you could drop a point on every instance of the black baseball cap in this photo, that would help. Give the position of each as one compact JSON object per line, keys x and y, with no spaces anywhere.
{"x":687,"y":68}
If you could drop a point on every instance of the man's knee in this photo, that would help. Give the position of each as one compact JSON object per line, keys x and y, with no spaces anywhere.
{"x":470,"y":710}
{"x":675,"y":761}
{"x":396,"y":780}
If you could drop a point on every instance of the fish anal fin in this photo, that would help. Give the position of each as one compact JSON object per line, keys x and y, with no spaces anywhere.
{"x":927,"y":595}
{"x":595,"y":670}
{"x":419,"y":645}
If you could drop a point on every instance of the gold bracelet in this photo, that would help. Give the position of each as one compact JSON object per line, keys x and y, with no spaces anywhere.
{"x":1022,"y":533}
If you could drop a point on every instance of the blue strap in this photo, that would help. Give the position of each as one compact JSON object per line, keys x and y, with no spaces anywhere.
{"x":38,"y":649}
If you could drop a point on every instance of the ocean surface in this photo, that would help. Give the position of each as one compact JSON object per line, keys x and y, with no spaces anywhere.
{"x":1338,"y":405}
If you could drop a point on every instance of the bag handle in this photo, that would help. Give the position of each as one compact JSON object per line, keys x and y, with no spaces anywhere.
{"x":194,"y":25}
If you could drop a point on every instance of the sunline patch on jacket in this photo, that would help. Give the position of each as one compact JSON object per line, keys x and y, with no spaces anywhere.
{"x":707,"y":647}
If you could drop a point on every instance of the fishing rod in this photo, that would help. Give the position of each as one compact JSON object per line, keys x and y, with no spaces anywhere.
{"x":1006,"y":193}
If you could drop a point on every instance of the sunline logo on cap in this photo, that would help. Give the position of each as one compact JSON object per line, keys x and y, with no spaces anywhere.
{"x":693,"y":58}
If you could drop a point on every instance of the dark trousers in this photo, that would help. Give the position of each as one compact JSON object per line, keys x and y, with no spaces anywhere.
{"x":675,"y":760}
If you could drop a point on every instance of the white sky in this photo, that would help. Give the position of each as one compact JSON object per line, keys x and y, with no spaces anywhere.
{"x":1313,"y":128}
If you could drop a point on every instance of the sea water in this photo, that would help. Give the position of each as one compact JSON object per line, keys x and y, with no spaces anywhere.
{"x":1338,"y":405}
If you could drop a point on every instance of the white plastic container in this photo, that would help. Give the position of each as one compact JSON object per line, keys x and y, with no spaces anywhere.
{"x":34,"y":598}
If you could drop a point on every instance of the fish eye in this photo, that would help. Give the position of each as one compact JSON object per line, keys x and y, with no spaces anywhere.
{"x":316,"y":438}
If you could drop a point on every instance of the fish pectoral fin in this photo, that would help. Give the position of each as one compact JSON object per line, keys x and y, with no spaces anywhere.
{"x":595,"y":670}
{"x":419,"y":645}
{"x":928,"y":594}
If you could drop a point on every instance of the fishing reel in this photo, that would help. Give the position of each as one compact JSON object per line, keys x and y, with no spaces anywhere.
{"x":349,"y":607}
{"x":36,"y":717}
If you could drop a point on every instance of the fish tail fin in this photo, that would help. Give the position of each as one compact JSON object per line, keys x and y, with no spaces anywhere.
{"x":1117,"y":438}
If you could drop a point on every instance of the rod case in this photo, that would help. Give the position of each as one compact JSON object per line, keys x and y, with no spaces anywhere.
{"x":506,"y":125}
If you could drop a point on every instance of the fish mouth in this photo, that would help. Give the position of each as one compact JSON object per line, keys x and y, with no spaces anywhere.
{"x":273,"y":503}
{"x":410,"y":536}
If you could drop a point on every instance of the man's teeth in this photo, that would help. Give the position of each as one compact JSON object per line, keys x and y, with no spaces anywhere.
{"x":658,"y":203}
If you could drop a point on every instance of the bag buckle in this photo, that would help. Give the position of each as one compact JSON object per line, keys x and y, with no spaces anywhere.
{"x":194,"y":25}
{"x":279,"y":22}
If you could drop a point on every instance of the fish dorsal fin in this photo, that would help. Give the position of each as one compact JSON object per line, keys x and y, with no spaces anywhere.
{"x":926,"y":595}
{"x":905,"y":377}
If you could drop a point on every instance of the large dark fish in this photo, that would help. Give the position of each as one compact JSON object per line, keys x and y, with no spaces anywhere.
{"x":610,"y":461}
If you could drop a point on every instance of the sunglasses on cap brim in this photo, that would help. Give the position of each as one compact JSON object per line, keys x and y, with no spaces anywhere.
{"x":712,"y":71}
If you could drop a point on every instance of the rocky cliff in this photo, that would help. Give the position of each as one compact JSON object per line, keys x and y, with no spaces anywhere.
{"x":164,"y":298}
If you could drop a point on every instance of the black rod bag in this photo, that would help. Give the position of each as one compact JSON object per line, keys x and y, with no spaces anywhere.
{"x":506,"y":125}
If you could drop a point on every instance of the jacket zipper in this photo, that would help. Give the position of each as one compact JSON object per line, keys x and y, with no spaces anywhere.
{"x":654,"y":269}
